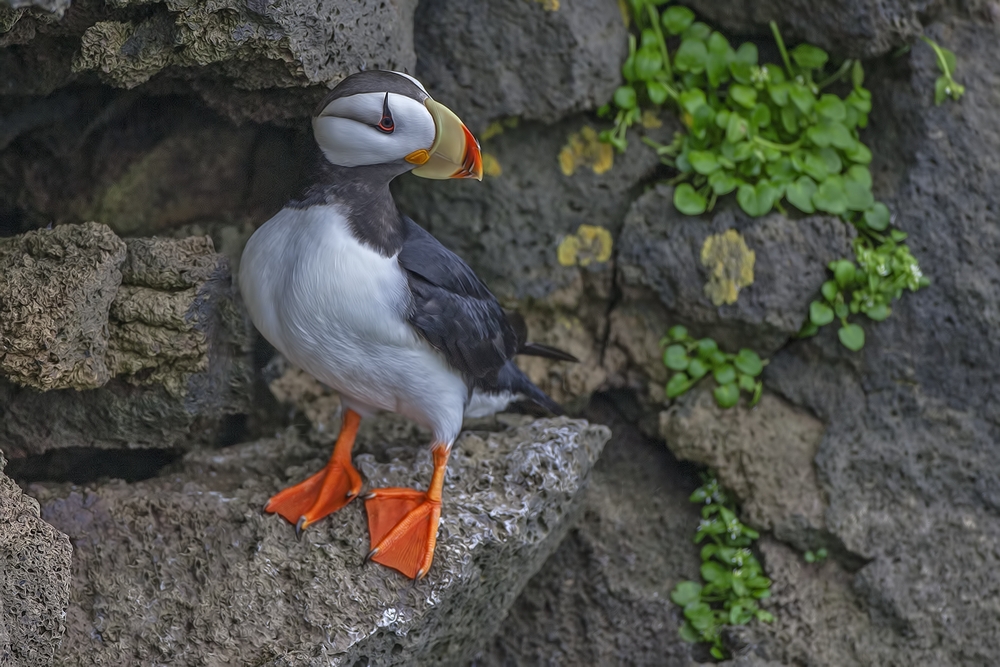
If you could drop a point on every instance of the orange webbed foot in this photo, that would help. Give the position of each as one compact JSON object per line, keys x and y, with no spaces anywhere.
{"x":403,"y":523}
{"x":322,"y":494}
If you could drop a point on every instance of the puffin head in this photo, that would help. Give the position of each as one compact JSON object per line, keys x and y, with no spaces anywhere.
{"x":384,"y":117}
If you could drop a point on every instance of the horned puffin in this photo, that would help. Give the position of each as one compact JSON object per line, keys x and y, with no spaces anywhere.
{"x":362,"y":298}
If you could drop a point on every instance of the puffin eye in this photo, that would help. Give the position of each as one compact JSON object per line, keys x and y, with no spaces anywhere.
{"x":386,"y":124}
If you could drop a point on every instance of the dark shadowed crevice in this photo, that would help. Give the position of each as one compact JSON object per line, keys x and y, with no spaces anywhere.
{"x":80,"y":465}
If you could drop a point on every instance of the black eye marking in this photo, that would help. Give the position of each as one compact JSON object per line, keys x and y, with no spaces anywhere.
{"x":386,"y":124}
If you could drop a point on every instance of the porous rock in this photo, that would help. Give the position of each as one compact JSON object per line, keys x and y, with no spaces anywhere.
{"x":763,"y":455}
{"x":259,"y":47}
{"x":174,"y":346}
{"x":58,"y":288}
{"x":849,"y":28}
{"x":661,"y":268}
{"x":34,"y":580}
{"x":603,"y":598}
{"x":185,"y":565}
{"x":535,"y":59}
{"x":909,"y":459}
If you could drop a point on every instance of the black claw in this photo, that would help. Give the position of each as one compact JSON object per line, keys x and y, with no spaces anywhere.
{"x":351,"y":494}
{"x":298,"y":528}
{"x":420,"y":575}
{"x":371,"y":554}
{"x":368,"y":496}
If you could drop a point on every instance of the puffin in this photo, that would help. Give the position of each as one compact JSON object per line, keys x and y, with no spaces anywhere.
{"x":369,"y":303}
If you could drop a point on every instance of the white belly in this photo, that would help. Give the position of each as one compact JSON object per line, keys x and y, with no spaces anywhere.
{"x":337,"y":309}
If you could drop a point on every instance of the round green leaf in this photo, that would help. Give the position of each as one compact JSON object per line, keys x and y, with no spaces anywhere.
{"x":789,"y":119}
{"x":852,"y":337}
{"x":877,"y":217}
{"x":844,"y":273}
{"x":859,"y":153}
{"x":686,"y":592}
{"x":688,"y":201}
{"x":746,"y":54}
{"x":723,"y":182}
{"x":648,"y":62}
{"x":747,"y":382}
{"x":677,"y":19}
{"x":761,"y":116}
{"x":736,"y":128}
{"x":677,"y":385}
{"x":724,"y":374}
{"x":690,"y":100}
{"x":628,"y":68}
{"x":726,"y":395}
{"x":779,"y":92}
{"x":689,"y":634}
{"x":697,"y":369}
{"x":857,"y":74}
{"x":657,"y":92}
{"x":625,"y":97}
{"x":707,"y":347}
{"x":830,"y":160}
{"x":802,"y":97}
{"x":800,"y":193}
{"x":677,"y":332}
{"x":859,"y":195}
{"x":704,"y":162}
{"x":820,"y":314}
{"x":861,"y":174}
{"x":675,"y":358}
{"x":840,"y":310}
{"x":830,"y":196}
{"x":878,"y":313}
{"x":691,"y":56}
{"x":745,"y":96}
{"x":717,"y":68}
{"x":830,"y":290}
{"x":697,"y":30}
{"x":756,"y":200}
{"x":831,"y":107}
{"x":808,"y":56}
{"x":748,"y":361}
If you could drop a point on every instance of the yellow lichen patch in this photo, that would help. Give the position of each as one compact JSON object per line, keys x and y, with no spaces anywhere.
{"x":549,"y":5}
{"x":730,"y":262}
{"x":492,"y":130}
{"x":584,"y":148}
{"x":650,"y":120}
{"x":491,"y":166}
{"x":590,"y":244}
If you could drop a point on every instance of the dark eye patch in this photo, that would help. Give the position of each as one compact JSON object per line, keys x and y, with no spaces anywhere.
{"x":386,"y":124}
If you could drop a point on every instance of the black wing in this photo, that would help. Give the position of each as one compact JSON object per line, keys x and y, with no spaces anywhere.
{"x":452,"y":309}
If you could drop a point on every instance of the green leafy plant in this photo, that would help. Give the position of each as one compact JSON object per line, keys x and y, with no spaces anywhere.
{"x":693,"y":359}
{"x":732,"y":579}
{"x":773,"y":135}
{"x":869,"y":285}
{"x":817,"y":556}
{"x":945,"y":86}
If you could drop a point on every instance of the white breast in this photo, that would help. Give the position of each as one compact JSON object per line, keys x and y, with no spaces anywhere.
{"x":337,"y":309}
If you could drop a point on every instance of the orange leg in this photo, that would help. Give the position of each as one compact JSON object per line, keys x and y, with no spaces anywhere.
{"x":337,"y":484}
{"x":403,"y":523}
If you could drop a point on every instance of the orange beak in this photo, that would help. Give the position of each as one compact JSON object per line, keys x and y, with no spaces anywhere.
{"x":455,"y":152}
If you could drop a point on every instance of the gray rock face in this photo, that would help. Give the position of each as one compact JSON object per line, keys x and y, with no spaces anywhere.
{"x":908,"y":461}
{"x":603,"y":598}
{"x":763,"y":455}
{"x":253,"y":46}
{"x":853,"y":29}
{"x":538,"y":60}
{"x":34,"y":580}
{"x":185,"y":566}
{"x":139,"y":348}
{"x":666,"y":263}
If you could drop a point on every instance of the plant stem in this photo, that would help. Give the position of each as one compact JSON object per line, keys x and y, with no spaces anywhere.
{"x":942,"y":63}
{"x":836,"y":76}
{"x":654,"y":20}
{"x":781,"y":47}
{"x":785,"y":148}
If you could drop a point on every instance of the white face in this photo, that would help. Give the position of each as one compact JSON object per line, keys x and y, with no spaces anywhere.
{"x":373,"y":128}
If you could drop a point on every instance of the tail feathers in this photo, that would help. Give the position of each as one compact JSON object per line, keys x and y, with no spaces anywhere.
{"x":546,"y":351}
{"x":512,"y":379}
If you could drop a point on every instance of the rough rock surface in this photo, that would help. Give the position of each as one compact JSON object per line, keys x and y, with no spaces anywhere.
{"x":254,"y":47}
{"x":170,"y":340}
{"x":909,"y":458}
{"x":34,"y":580}
{"x":183,"y":566}
{"x":663,"y":274}
{"x":763,"y":455}
{"x":603,"y":598}
{"x":535,"y":59}
{"x":58,"y":288}
{"x":849,"y":28}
